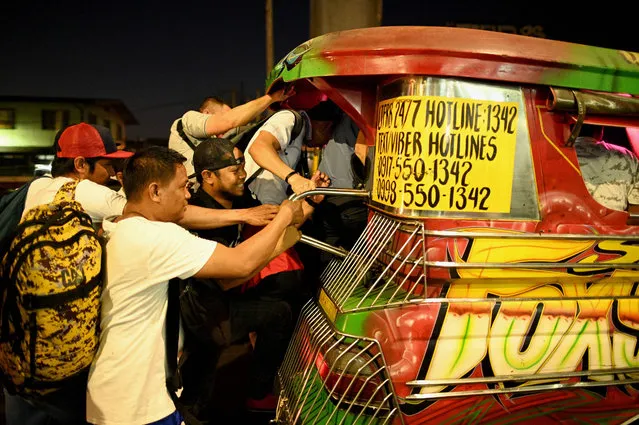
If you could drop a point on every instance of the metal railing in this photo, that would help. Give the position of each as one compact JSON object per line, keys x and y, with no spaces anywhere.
{"x":331,"y":377}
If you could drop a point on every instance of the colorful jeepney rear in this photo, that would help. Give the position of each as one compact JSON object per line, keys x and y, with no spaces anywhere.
{"x":488,"y":286}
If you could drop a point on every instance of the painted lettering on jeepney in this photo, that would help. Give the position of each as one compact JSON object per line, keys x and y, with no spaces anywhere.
{"x":445,"y":154}
{"x":512,"y":250}
{"x":630,"y":57}
{"x":556,"y":321}
{"x":590,"y":331}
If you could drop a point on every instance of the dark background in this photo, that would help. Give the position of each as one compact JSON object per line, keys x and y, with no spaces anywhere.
{"x":162,"y":58}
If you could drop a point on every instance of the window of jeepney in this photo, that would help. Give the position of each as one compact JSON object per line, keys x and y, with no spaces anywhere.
{"x":453,"y":148}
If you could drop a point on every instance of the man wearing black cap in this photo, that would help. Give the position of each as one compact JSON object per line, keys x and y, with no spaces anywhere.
{"x":267,"y":304}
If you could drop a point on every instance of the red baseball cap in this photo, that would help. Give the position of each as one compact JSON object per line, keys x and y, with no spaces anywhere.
{"x":89,"y":141}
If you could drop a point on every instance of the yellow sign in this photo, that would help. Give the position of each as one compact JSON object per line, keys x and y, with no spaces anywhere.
{"x":445,"y":154}
{"x":327,"y":305}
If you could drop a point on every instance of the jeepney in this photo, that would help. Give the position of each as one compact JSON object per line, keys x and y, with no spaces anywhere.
{"x":488,"y":286}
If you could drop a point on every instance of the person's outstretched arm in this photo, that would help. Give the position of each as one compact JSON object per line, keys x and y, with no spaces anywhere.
{"x":222,"y":122}
{"x":249,"y":257}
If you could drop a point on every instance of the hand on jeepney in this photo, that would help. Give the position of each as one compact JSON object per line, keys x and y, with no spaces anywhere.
{"x":282,"y":94}
{"x":294,"y":208}
{"x":260,"y":216}
{"x":321,"y":180}
{"x":300,"y":184}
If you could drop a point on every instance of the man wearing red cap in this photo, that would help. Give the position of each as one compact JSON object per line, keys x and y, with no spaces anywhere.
{"x":83,"y":152}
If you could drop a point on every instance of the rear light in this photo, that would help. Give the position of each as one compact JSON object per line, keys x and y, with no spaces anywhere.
{"x":350,"y":374}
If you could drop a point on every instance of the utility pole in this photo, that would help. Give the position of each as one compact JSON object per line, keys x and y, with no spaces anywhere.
{"x":338,"y":15}
{"x":269,"y":36}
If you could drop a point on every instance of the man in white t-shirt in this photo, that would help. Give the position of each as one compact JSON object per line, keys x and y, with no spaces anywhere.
{"x":272,"y":155}
{"x":127,"y":382}
{"x":215,"y":118}
{"x":83,"y":152}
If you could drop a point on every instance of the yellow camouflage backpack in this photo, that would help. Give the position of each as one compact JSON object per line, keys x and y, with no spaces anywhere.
{"x":51,"y":281}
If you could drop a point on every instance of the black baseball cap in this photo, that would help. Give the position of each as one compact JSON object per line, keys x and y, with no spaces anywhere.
{"x":214,"y":154}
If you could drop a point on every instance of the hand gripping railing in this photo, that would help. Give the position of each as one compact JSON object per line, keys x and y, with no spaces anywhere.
{"x":328,"y":191}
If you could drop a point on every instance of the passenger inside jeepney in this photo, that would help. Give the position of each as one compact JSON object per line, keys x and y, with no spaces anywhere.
{"x":610,"y":170}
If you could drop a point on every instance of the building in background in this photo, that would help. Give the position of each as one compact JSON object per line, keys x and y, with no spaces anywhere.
{"x":28,"y":126}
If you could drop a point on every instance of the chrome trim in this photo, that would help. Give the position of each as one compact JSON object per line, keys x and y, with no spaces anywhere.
{"x":563,"y":100}
{"x":330,"y":191}
{"x":536,"y":377}
{"x":338,"y":251}
{"x":632,"y":420}
{"x":581,"y":115}
{"x":552,"y":236}
{"x":520,"y":299}
{"x":453,"y":264}
{"x":519,"y":390}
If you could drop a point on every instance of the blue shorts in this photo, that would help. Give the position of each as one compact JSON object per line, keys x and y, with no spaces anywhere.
{"x":173,"y":419}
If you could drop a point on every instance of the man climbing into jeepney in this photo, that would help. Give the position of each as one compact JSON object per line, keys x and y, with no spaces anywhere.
{"x":213,"y":118}
{"x":610,"y":172}
{"x":275,"y":165}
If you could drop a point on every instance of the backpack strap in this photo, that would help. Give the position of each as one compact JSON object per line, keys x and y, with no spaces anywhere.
{"x":66,"y":193}
{"x":173,"y":381}
{"x":298,"y":126}
{"x":183,"y":136}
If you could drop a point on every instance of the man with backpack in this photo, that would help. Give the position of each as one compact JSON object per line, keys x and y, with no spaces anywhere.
{"x":214,"y":118}
{"x":274,"y":155}
{"x":276,"y":165}
{"x":73,"y":264}
{"x":55,"y":281}
{"x":146,"y":249}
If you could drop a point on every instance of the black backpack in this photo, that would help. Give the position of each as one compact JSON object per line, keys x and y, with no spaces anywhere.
{"x":11,"y":208}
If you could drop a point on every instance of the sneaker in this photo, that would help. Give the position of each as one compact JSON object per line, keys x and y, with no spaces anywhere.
{"x":267,"y":403}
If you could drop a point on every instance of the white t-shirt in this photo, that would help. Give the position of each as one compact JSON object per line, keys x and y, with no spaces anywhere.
{"x":127,"y":377}
{"x":98,"y":201}
{"x":194,"y":126}
{"x":268,"y":188}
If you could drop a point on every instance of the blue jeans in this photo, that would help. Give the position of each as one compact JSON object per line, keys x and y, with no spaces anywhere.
{"x":173,"y":419}
{"x":63,"y":407}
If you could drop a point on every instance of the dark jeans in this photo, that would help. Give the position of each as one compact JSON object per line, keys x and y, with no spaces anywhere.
{"x":63,"y":407}
{"x":270,"y":309}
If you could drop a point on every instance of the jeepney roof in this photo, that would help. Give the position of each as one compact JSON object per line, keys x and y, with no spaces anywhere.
{"x":460,"y":52}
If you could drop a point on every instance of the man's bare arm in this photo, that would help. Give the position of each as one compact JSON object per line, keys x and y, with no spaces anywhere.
{"x":252,"y":255}
{"x":242,"y":114}
{"x":264,"y":151}
{"x":288,"y":239}
{"x":210,"y":218}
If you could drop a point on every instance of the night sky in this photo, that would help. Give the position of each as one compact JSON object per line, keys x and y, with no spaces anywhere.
{"x":162,"y":58}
